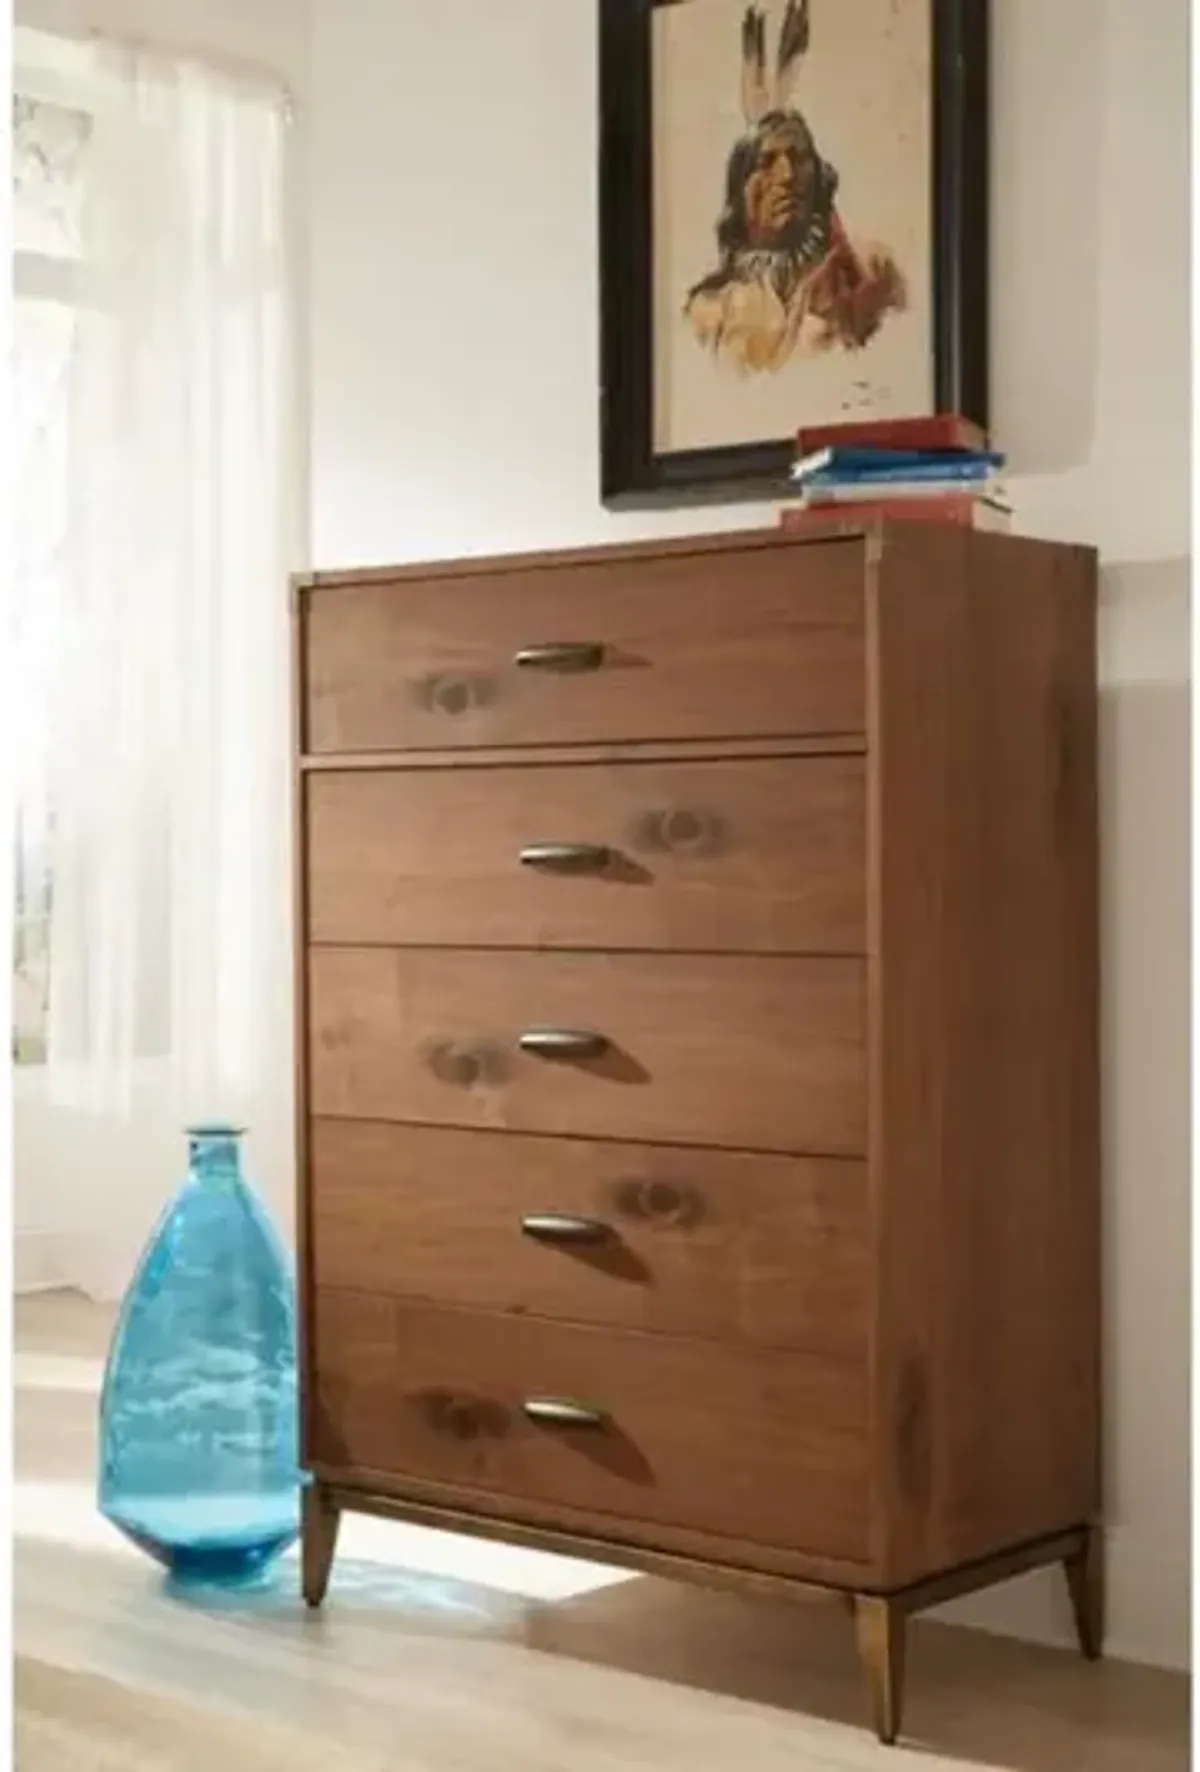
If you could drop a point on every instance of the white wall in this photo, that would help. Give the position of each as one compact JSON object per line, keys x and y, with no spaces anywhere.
{"x":454,"y":376}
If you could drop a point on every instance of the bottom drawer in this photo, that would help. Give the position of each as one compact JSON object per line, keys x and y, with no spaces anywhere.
{"x":765,"y":1447}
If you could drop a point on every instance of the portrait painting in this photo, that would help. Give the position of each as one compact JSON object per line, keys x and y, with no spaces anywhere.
{"x":793,"y":229}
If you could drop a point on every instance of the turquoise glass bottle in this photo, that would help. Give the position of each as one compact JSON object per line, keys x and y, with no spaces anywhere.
{"x":198,"y":1414}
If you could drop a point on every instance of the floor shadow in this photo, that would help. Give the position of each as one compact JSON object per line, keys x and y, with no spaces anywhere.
{"x":992,"y":1702}
{"x":974,"y":1701}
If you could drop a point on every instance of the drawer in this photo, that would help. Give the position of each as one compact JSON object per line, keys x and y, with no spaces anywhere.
{"x":763,"y":1446}
{"x":714,"y":1245}
{"x":747,"y":856}
{"x":727,"y":641}
{"x":750,"y":1053}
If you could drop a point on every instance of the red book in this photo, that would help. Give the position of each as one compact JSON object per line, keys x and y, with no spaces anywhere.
{"x":944,"y":430}
{"x":963,"y":508}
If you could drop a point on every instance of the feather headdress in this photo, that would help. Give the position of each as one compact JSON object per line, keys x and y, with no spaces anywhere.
{"x":763,"y":92}
{"x":793,"y":47}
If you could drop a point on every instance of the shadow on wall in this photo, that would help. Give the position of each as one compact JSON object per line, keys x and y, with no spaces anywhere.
{"x":1145,"y":807}
{"x":1145,"y":779}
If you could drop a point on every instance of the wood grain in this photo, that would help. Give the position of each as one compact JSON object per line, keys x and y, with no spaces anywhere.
{"x":888,"y":982}
{"x":759,"y":857}
{"x":705,"y":1244}
{"x":672,"y":750}
{"x":629,"y":555}
{"x":984,"y":1044}
{"x":671,"y":1553}
{"x":716,"y":644}
{"x":717,"y":1439}
{"x":740,"y":1052}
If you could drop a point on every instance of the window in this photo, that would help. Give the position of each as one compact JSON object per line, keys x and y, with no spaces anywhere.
{"x":49,"y":147}
{"x":152,"y":394}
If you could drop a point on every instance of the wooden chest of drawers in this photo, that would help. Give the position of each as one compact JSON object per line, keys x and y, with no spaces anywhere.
{"x":697,"y":987}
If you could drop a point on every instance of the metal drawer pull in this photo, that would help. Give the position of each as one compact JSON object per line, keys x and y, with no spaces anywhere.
{"x":562,"y":1412}
{"x":562,"y":1043}
{"x":559,"y":1227}
{"x":565,"y":858}
{"x":583,"y":655}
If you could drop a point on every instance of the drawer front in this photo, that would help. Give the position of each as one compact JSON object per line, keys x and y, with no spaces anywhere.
{"x":722,"y":643}
{"x":746,"y":856}
{"x":743,"y":1052}
{"x":713,"y":1245}
{"x":764,"y":1446}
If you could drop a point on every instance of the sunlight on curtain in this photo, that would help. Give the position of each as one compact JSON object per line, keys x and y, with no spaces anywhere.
{"x":43,"y":333}
{"x":49,"y":143}
{"x":156,"y":807}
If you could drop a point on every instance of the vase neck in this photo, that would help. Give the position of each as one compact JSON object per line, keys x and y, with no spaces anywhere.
{"x":215,"y":1154}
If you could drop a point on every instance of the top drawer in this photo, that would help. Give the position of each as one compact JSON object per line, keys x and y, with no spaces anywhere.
{"x":726,"y":642}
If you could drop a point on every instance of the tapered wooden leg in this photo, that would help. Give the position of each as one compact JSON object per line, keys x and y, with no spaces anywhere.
{"x":320,"y":1517}
{"x":1085,"y":1584}
{"x":880,"y":1626}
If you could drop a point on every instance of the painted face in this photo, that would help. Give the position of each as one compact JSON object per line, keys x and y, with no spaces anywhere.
{"x":781,"y":187}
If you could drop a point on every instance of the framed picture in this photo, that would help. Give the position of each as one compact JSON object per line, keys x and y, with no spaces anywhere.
{"x":793,"y":230}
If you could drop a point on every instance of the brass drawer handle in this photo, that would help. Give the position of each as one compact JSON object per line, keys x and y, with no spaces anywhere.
{"x":561,"y":1227}
{"x":562,"y":1412}
{"x":583,"y":655}
{"x":562,"y":1043}
{"x":565,"y":858}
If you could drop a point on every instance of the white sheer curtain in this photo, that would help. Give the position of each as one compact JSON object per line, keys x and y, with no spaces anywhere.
{"x":167,"y":771}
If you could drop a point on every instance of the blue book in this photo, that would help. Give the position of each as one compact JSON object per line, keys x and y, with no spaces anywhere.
{"x":830,"y":467}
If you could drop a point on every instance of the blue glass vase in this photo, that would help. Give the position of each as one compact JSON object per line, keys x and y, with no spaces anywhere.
{"x":199,"y":1459}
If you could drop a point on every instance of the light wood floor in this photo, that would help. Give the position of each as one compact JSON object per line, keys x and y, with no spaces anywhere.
{"x":449,"y":1654}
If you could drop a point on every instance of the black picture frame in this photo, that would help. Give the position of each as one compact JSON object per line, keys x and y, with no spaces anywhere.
{"x":632,"y":472}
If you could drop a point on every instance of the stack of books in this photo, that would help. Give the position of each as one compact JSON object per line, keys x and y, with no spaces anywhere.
{"x":937,"y":470}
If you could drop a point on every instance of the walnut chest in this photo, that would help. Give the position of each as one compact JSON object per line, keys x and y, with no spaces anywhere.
{"x":697,"y":1055}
